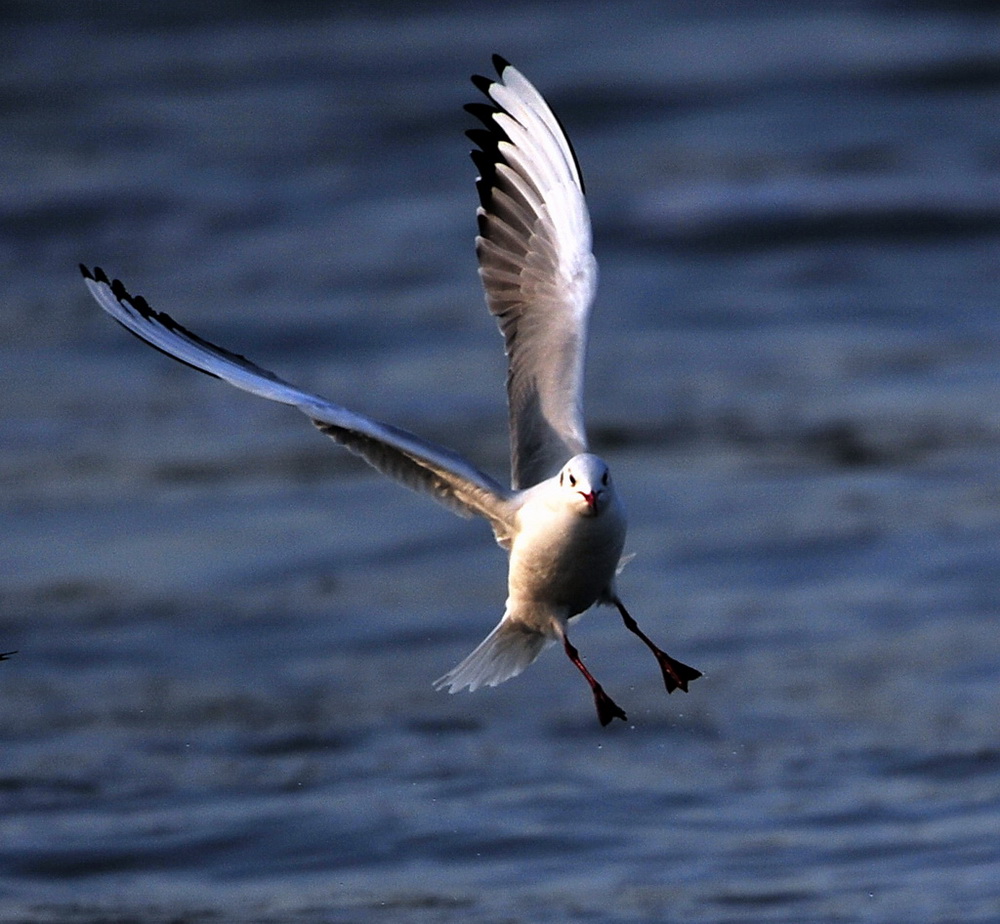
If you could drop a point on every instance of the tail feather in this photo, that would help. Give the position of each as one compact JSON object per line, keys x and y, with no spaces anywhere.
{"x":504,"y":653}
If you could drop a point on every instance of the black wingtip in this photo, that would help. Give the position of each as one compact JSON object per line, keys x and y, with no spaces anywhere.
{"x":484,"y":112}
{"x":94,"y":275}
{"x":4,"y":655}
{"x":141,"y":307}
{"x":488,"y":136}
{"x":119,"y":291}
{"x":482,"y":83}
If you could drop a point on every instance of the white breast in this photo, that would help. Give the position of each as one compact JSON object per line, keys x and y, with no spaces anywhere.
{"x":563,"y":559}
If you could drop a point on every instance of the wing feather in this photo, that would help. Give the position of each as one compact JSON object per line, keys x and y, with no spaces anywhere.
{"x":410,"y":460}
{"x":535,"y":262}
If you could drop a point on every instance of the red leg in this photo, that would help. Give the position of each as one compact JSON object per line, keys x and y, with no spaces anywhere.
{"x":607,"y":708}
{"x":676,"y":675}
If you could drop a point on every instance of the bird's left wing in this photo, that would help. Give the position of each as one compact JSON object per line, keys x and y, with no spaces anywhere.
{"x":536,"y":267}
{"x":416,"y":463}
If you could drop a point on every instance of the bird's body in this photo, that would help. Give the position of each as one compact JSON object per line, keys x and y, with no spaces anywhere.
{"x":563,"y":557}
{"x":566,"y":553}
{"x":561,"y":520}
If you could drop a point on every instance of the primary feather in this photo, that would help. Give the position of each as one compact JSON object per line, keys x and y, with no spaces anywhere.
{"x":535,"y":261}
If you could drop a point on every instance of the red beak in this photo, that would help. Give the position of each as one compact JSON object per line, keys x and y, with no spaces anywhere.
{"x":591,"y":498}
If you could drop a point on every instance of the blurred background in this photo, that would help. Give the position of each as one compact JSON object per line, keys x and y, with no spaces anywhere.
{"x":227,"y":628}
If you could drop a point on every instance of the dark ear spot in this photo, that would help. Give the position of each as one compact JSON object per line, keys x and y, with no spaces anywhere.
{"x":605,"y":479}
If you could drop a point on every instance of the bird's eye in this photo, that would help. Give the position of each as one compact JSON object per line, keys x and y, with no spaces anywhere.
{"x":605,"y":479}
{"x":572,"y":481}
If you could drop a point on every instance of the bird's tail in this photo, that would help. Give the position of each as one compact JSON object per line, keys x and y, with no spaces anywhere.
{"x":503,"y":654}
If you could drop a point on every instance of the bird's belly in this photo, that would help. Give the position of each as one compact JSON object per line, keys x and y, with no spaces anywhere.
{"x":567,"y":573}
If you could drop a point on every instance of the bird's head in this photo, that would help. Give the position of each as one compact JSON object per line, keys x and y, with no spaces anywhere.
{"x":586,"y":483}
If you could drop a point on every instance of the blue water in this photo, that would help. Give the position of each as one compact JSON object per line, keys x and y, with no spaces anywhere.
{"x":227,"y":629}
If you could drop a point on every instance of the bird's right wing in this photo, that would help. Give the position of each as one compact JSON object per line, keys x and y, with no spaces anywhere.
{"x":416,"y":463}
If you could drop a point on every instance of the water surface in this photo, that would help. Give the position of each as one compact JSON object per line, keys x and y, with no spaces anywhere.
{"x":227,"y":629}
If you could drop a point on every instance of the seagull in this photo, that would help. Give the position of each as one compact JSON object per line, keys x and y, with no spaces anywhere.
{"x":561,"y":521}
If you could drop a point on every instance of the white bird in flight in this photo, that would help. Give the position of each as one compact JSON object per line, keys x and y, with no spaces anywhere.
{"x":561,"y":520}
